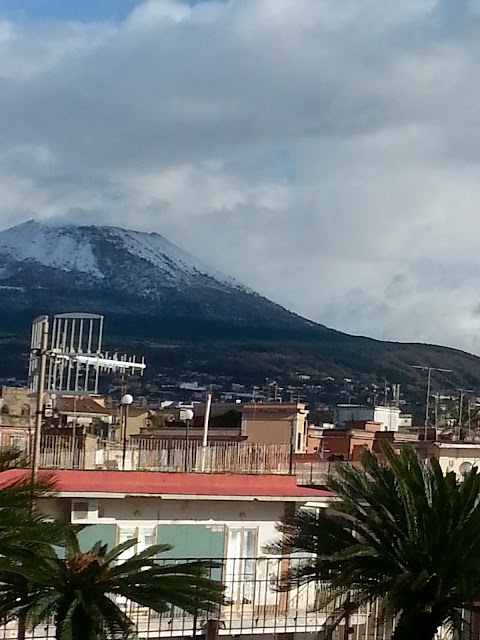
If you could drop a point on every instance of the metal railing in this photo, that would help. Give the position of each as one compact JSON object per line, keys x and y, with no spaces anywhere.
{"x":317,"y":472}
{"x":89,"y":452}
{"x":254,"y":604}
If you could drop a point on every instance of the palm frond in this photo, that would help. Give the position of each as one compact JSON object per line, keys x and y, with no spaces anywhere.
{"x":400,"y":530}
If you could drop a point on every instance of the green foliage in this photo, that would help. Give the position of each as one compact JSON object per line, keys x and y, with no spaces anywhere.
{"x":78,"y":591}
{"x":402,"y":532}
{"x":22,"y":527}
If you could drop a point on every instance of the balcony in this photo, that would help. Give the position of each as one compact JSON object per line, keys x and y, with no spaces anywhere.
{"x":254,"y":604}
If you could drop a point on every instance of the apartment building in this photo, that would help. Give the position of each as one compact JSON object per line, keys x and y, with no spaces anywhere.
{"x":226,"y":517}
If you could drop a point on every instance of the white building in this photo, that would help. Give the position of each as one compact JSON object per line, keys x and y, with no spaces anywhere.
{"x":452,"y":456}
{"x":388,"y":417}
{"x":405,"y":421}
{"x":226,"y":517}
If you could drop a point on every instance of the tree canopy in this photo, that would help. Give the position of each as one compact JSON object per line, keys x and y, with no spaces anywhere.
{"x":399,"y":531}
{"x":80,"y":590}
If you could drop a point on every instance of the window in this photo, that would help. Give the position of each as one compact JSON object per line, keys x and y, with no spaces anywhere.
{"x":143,"y":535}
{"x":5,"y":410}
{"x":124,"y":536}
{"x":17,"y":443}
{"x":240,"y":565}
{"x":25,"y":411}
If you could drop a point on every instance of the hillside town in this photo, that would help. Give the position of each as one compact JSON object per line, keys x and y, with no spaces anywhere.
{"x":239,"y":320}
{"x":211,"y":476}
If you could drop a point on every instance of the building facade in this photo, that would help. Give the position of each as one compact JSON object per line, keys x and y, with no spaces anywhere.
{"x":387,"y":417}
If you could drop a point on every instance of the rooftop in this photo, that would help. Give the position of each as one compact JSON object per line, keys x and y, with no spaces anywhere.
{"x":171,"y":485}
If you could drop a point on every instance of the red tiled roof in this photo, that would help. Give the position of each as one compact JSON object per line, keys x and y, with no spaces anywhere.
{"x":158,"y":483}
{"x":81,"y":405}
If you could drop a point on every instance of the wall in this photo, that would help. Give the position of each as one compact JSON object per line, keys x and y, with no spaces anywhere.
{"x":15,"y":438}
{"x":136,"y":420}
{"x":17,"y":408}
{"x":451,"y":456}
{"x":218,"y":516}
{"x":272,"y":423}
{"x":387,"y":416}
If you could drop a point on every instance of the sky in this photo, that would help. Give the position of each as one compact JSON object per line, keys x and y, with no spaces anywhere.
{"x":323,"y":152}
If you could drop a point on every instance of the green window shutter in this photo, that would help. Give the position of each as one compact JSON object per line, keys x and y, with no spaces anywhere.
{"x":192,"y":542}
{"x":91,"y":534}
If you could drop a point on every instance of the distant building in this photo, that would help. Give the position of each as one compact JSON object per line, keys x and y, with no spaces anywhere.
{"x":452,"y":456}
{"x":17,"y":415}
{"x":387,"y":417}
{"x":253,"y":422}
{"x":405,"y":421}
{"x":15,"y":402}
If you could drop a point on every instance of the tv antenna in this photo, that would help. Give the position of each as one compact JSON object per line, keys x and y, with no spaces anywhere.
{"x":68,"y":360}
{"x":427,"y":399}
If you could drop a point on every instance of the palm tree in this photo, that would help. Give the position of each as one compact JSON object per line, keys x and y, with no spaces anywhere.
{"x":79,"y":591}
{"x":24,"y":532}
{"x":400,"y":532}
{"x":21,"y":524}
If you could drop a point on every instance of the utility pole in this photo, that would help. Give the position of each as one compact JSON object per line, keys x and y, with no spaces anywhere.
{"x":427,"y":398}
{"x":469,"y":419}
{"x":460,"y":410}
{"x":460,"y":413}
{"x":42,"y":368}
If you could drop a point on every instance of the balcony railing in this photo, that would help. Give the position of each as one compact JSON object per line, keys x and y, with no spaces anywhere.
{"x":254,"y":604}
{"x":317,"y":472}
{"x":89,"y":452}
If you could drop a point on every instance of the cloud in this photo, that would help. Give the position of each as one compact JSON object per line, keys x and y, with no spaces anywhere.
{"x":325,"y":153}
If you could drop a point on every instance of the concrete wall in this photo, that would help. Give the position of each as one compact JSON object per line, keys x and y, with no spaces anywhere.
{"x":273,"y":423}
{"x":16,"y":403}
{"x":148,"y":513}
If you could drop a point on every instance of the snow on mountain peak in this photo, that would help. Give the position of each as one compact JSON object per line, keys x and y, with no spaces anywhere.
{"x":84,"y":249}
{"x":56,"y":247}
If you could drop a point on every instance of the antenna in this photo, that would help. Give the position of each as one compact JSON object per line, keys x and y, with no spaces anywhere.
{"x":395,"y":395}
{"x":461,"y":412}
{"x":74,"y":355}
{"x":427,"y":399}
{"x":68,"y":360}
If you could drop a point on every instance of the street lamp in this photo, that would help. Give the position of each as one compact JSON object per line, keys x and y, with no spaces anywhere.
{"x":187,"y":416}
{"x":126,"y":401}
{"x":465,"y":468}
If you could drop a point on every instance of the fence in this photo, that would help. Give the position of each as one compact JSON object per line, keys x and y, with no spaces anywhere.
{"x":90,"y":452}
{"x":154,"y":454}
{"x":317,"y":472}
{"x":254,"y":606}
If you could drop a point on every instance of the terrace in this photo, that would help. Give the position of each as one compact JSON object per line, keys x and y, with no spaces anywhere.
{"x":91,"y":453}
{"x":254,"y":605}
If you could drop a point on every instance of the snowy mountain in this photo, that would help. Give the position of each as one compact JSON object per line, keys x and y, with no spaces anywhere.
{"x":47,"y":268}
{"x":185,"y":316}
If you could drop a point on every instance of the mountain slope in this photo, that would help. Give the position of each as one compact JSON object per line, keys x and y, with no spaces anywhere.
{"x":185,"y":316}
{"x":112,"y":270}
